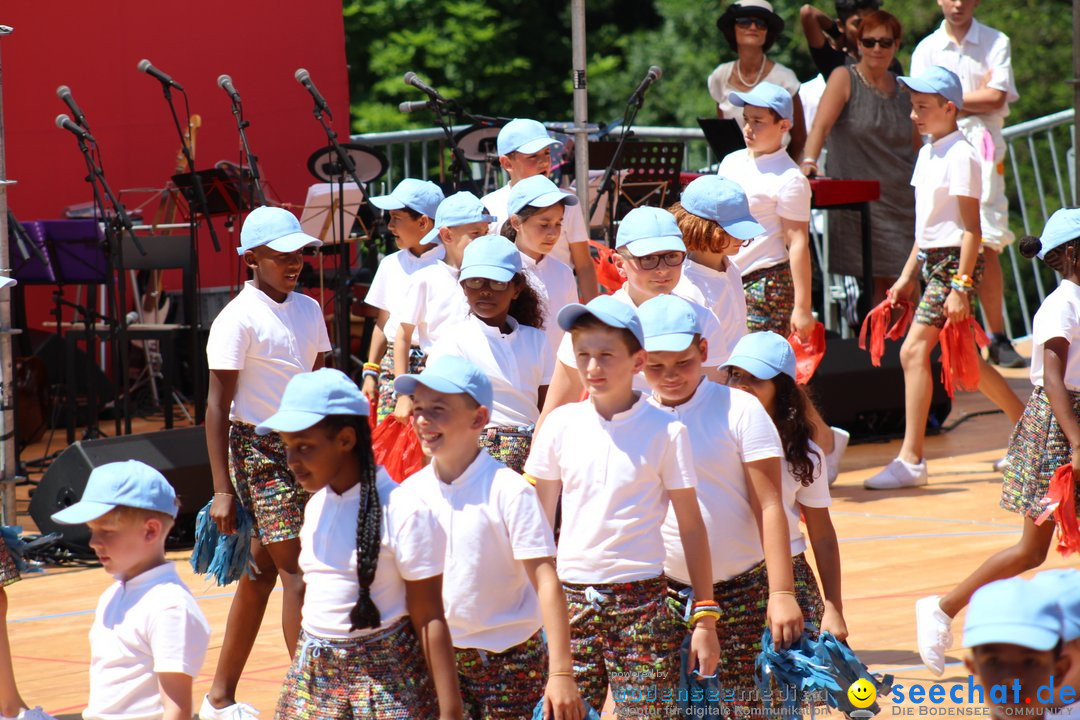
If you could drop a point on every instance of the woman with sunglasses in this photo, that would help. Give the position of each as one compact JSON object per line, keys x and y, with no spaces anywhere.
{"x":751,"y":27}
{"x":865,"y":115}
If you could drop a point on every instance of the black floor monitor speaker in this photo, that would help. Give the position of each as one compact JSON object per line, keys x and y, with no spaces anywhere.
{"x":868,"y":401}
{"x":180,"y":454}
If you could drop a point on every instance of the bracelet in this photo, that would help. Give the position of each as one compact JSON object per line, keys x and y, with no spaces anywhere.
{"x":372,"y":366}
{"x":370,"y":373}
{"x":704,"y":603}
{"x":226,"y":493}
{"x":960,"y":288}
{"x":782,"y":592}
{"x":700,"y":614}
{"x":809,"y":161}
{"x":561,"y":673}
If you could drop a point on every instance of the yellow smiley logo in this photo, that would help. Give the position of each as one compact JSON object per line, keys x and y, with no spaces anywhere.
{"x":862,"y":693}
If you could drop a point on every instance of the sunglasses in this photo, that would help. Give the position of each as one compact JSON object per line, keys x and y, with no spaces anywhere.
{"x":476,"y":283}
{"x":651,"y":262}
{"x":885,"y":43}
{"x":748,"y":22}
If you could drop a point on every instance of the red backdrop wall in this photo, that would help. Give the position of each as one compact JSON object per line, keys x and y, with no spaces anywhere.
{"x":95,"y":52}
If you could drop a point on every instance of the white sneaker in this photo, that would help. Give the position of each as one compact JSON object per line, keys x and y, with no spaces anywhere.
{"x":898,"y":474}
{"x":933,"y":633}
{"x":236,"y":711}
{"x":832,"y":460}
{"x":35,"y":713}
{"x":1000,"y":465}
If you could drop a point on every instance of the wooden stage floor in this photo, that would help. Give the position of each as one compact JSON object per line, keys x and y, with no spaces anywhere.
{"x":896,"y":547}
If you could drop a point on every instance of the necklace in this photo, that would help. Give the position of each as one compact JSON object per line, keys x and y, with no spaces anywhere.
{"x":760,"y":72}
{"x":873,"y":88}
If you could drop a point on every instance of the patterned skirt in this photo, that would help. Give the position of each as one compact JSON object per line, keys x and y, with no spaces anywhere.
{"x":417,"y":358}
{"x":508,"y":444}
{"x":504,"y":685}
{"x":939,"y":265}
{"x":9,"y":570}
{"x":376,"y":677}
{"x":264,"y":484}
{"x":1037,"y":448}
{"x":770,"y":299}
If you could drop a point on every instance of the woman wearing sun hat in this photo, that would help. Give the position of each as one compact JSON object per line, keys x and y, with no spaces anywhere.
{"x":751,"y":27}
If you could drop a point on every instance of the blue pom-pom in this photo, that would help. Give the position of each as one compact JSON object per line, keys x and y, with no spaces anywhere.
{"x":225,"y":557}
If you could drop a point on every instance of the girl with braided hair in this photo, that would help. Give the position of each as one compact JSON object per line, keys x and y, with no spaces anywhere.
{"x":374,"y":642}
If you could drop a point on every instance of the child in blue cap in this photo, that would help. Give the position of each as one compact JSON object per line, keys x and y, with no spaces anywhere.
{"x":1046,"y":437}
{"x":500,"y":587}
{"x":617,"y":462}
{"x":433,"y":298}
{"x":1063,"y":584}
{"x":411,"y":209}
{"x":737,"y":455}
{"x":372,"y":559}
{"x":503,"y":337}
{"x":149,"y":638}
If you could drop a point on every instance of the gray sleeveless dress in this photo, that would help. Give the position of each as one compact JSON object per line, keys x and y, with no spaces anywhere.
{"x":871,"y":140}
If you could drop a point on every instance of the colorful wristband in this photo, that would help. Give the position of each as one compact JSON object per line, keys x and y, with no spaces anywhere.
{"x":372,"y":366}
{"x":370,"y":373}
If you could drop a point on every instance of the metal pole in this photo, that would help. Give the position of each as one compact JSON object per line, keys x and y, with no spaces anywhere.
{"x":7,"y":388}
{"x":581,"y":104}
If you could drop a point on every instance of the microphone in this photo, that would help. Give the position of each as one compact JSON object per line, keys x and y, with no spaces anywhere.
{"x":64,"y":93}
{"x":145,"y":66}
{"x":225,"y":83}
{"x":411,"y":78}
{"x":304,"y":78}
{"x":65,"y":123}
{"x":416,"y":105}
{"x":650,"y":77}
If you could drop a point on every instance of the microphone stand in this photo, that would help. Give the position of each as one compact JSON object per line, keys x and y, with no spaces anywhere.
{"x":443,"y":118}
{"x":633,"y":106}
{"x":200,"y":193}
{"x":255,"y":191}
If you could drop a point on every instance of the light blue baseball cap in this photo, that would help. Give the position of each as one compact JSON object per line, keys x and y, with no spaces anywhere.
{"x":537,"y":191}
{"x":1013,"y":611}
{"x":492,"y":257}
{"x":524,"y":136}
{"x":607,"y":310}
{"x":461,"y":208}
{"x":723,"y":201}
{"x":764,"y":355}
{"x":129,"y":484}
{"x":276,"y":227}
{"x":669,"y":323}
{"x":766,"y":95}
{"x":451,"y":375}
{"x":937,"y":80}
{"x":1063,"y":584}
{"x":646,"y":230}
{"x":310,"y":397}
{"x":1062,"y":227}
{"x":419,"y":195}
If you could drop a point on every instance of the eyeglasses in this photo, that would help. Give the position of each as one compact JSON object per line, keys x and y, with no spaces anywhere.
{"x":673,"y":258}
{"x":885,"y":43}
{"x":477,"y":283}
{"x":747,"y":22}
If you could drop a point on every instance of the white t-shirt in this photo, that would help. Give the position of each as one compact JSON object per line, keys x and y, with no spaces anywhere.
{"x":711,"y":330}
{"x":982,"y":59}
{"x":615,"y":479}
{"x":411,"y":549}
{"x":554,"y":281}
{"x":795,"y":496}
{"x":434,"y":299}
{"x":388,"y":286}
{"x":723,"y":294}
{"x":944,"y":170}
{"x":1058,"y":317}
{"x":573,"y":223}
{"x":517,"y":364}
{"x":727,"y":428}
{"x":776,"y":190}
{"x":719,"y":83}
{"x":493,"y":521}
{"x":269,"y":343}
{"x":148,"y":625}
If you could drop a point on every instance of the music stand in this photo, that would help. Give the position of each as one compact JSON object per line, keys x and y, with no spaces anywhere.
{"x":648,"y":173}
{"x":320,"y":213}
{"x":723,"y":135}
{"x":224,"y":196}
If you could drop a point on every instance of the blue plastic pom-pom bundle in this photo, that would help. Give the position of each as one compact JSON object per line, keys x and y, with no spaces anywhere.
{"x":225,"y":557}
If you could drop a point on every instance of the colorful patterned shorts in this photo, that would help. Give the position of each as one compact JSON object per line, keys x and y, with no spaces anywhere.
{"x":417,"y":358}
{"x":939,"y":266}
{"x":377,"y":677}
{"x":508,"y":444}
{"x":503,"y":685}
{"x":264,"y":484}
{"x":1037,"y":448}
{"x":625,"y":635}
{"x":9,"y":571}
{"x":770,"y":299}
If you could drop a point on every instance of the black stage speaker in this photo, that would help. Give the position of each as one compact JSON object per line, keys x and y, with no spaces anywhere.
{"x":180,"y":454}
{"x":868,"y":401}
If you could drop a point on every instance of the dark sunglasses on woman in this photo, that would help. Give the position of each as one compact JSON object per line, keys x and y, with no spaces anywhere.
{"x":885,"y":43}
{"x":751,"y":21}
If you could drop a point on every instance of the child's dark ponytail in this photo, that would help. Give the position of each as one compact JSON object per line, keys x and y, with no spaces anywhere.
{"x":1029,"y":246}
{"x":791,"y":408}
{"x":527,"y":308}
{"x":364,"y":613}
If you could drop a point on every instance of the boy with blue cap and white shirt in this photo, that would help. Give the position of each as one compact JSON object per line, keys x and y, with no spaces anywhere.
{"x":947,"y":184}
{"x":500,"y":586}
{"x":1063,"y":585}
{"x":411,"y":208}
{"x":776,"y":265}
{"x":266,"y":335}
{"x":525,"y":151}
{"x":434,"y":298}
{"x":617,"y":462}
{"x":149,"y":638}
